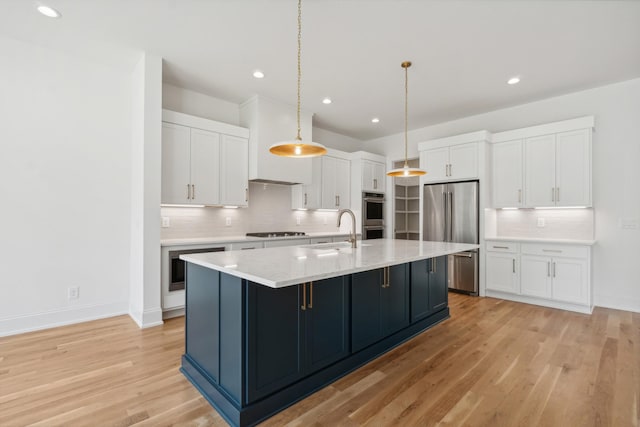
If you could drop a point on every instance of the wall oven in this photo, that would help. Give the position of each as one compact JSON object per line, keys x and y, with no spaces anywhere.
{"x":372,"y":215}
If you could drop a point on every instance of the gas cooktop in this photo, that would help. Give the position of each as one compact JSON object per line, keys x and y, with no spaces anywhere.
{"x":277,"y":234}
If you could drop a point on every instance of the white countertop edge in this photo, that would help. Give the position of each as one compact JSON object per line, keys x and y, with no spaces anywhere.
{"x":237,"y":239}
{"x":542,"y":240}
{"x":316,"y":277}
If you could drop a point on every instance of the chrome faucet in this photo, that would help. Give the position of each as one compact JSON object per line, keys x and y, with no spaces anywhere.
{"x":352,"y":235}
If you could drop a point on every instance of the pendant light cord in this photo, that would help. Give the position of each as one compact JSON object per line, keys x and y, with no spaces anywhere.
{"x":299,"y":138}
{"x":406,"y":113}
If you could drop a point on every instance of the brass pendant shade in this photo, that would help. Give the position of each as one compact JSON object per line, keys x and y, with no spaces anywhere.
{"x":406,"y":170}
{"x":297,"y":147}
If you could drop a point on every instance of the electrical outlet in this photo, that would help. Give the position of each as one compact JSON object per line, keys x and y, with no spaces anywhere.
{"x":227,"y":221}
{"x":166,"y":222}
{"x":541,"y":222}
{"x":73,"y":292}
{"x":297,"y":220}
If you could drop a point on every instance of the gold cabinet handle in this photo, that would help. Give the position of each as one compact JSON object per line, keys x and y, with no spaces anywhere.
{"x":310,"y":295}
{"x":305,"y":199}
{"x":553,"y":194}
{"x":304,"y":296}
{"x":246,"y":194}
{"x":548,"y":267}
{"x":375,"y":184}
{"x":557,"y":194}
{"x":520,"y":196}
{"x":193,"y":191}
{"x":514,"y":265}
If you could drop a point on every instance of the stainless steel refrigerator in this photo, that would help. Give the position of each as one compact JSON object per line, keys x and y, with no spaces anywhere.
{"x":450,"y":214}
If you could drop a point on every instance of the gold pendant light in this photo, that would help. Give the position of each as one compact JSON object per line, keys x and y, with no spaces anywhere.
{"x":406,"y":170}
{"x":298,"y":148}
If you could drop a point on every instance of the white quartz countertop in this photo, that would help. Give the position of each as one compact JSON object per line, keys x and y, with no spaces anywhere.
{"x":236,"y":239}
{"x":286,"y":266}
{"x":542,"y":240}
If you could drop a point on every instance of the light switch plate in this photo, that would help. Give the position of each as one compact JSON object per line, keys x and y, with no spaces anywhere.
{"x":166,"y":222}
{"x":227,"y":221}
{"x":541,"y":222}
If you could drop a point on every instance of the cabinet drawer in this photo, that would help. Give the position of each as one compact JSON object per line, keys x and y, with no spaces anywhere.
{"x":247,"y":245}
{"x":552,"y":250}
{"x":499,"y":246}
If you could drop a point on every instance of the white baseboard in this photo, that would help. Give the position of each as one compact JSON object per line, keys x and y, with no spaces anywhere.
{"x":618,"y":303}
{"x":147,"y":318}
{"x":65,"y":316}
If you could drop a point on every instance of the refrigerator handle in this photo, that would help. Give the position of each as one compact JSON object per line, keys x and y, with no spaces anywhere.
{"x":444,"y":206}
{"x":450,"y":217}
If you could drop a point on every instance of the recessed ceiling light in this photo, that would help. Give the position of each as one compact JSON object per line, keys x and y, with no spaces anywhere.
{"x":258,"y":74}
{"x":48,"y":11}
{"x":513,"y":80}
{"x":326,"y":101}
{"x":375,"y":120}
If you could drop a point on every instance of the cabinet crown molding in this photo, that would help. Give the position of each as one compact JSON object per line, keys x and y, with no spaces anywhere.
{"x":188,"y":120}
{"x":585,"y":122}
{"x":482,"y":135}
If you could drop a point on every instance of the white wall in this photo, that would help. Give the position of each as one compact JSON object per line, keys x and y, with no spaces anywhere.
{"x":337,"y":141}
{"x":616,"y":154}
{"x":65,"y":170}
{"x":197,"y":104}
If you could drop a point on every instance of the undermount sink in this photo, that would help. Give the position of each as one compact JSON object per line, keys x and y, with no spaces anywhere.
{"x":337,"y":246}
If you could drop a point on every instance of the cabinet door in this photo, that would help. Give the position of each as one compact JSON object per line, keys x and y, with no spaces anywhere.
{"x":326,"y":323}
{"x":420,"y":272}
{"x":205,"y":167}
{"x":535,"y":277}
{"x":507,"y":174}
{"x":463,"y":161}
{"x":176,"y":179}
{"x":328,"y":192}
{"x":573,"y":168}
{"x":540,"y":180}
{"x":365,"y":308}
{"x":395,"y":300}
{"x":570,"y":280}
{"x":274,"y":341}
{"x":343,"y":183}
{"x":502,"y":272}
{"x":435,"y":162}
{"x":379,"y":177}
{"x":234,"y":171}
{"x":438,"y":284}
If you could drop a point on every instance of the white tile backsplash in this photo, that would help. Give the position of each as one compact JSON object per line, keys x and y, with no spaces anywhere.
{"x":269,"y":210}
{"x":558,"y":223}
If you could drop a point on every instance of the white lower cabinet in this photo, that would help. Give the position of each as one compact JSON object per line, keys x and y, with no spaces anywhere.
{"x":553,"y":275}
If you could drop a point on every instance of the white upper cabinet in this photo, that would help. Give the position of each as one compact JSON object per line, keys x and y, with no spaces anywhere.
{"x":234,"y":171}
{"x":558,"y":169}
{"x":203,"y":162}
{"x":450,"y":163}
{"x":540,"y":170}
{"x":373,"y":176}
{"x":335,"y":183}
{"x":573,"y":168}
{"x":507,"y":174}
{"x":176,"y":164}
{"x":542,"y":166}
{"x":343,"y":183}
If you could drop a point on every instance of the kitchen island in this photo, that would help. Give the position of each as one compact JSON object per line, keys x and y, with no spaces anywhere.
{"x":266,"y":328}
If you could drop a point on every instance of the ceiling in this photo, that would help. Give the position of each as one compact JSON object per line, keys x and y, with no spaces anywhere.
{"x":462,"y":52}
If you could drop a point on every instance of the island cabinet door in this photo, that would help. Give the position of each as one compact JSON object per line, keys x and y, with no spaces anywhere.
{"x":365,"y":308}
{"x":438,"y":285}
{"x":420,"y":272}
{"x":395,"y":300}
{"x":326,"y":319}
{"x":274,"y":337}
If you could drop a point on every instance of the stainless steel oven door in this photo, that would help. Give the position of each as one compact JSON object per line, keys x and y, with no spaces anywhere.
{"x":373,"y":209}
{"x":372,"y":232}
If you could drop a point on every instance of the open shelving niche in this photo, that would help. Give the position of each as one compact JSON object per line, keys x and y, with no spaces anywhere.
{"x":406,"y":193}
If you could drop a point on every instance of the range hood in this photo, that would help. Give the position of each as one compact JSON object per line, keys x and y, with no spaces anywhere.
{"x":271,"y":121}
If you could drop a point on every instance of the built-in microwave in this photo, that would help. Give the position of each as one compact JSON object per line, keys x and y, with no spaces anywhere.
{"x":177,"y":266}
{"x":372,"y":209}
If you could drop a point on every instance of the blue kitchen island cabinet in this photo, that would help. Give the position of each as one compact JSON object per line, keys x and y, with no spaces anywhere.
{"x":260,"y":337}
{"x":380,"y":304}
{"x":294,"y":331}
{"x":429,"y":288}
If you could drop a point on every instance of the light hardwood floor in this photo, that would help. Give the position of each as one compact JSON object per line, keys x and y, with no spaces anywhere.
{"x":493,"y":363}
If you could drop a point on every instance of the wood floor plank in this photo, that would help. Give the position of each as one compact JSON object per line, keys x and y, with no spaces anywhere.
{"x":493,"y":363}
